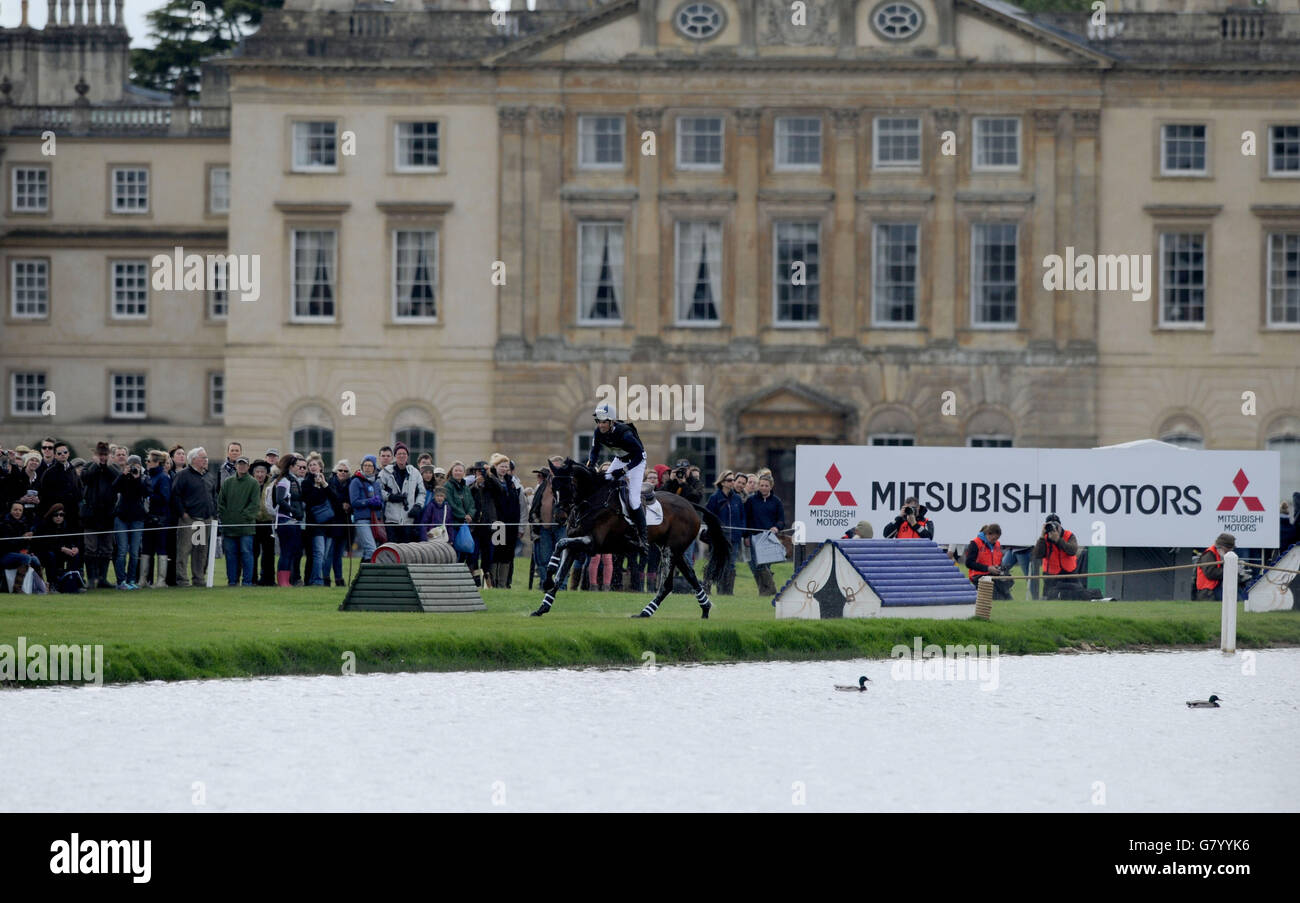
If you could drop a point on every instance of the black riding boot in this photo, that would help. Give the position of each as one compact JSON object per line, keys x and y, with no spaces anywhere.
{"x":638,"y":516}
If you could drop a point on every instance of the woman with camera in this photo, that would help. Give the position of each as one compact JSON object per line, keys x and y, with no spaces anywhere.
{"x":318,"y":501}
{"x":983,"y":559}
{"x":129,"y":513}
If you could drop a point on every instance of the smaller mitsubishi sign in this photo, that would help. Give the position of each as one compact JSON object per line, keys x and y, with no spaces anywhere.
{"x":1141,"y":495}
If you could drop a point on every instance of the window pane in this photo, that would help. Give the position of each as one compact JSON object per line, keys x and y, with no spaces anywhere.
{"x":898,"y":142}
{"x":130,"y":190}
{"x":699,"y":141}
{"x":25,"y":393}
{"x":1284,"y":149}
{"x":1183,"y":278}
{"x":893,"y":440}
{"x":699,"y":271}
{"x":600,"y":270}
{"x":600,"y":140}
{"x":216,"y":395}
{"x":997,"y":142}
{"x":29,"y":282}
{"x":416,"y":276}
{"x":314,"y":144}
{"x":313,"y":273}
{"x":417,"y":145}
{"x":797,"y":272}
{"x":993,"y":264}
{"x":218,"y":296}
{"x":1289,"y":447}
{"x":315,"y":439}
{"x":989,"y":442}
{"x":798,"y":142}
{"x":31,"y":189}
{"x":702,"y":450}
{"x":219,"y":189}
{"x":894,"y":268}
{"x":128,"y":395}
{"x":418,"y":440}
{"x":1184,"y":149}
{"x":1284,"y":278}
{"x":130,"y":288}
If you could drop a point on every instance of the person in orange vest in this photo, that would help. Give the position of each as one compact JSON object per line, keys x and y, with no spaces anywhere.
{"x":1209,"y":574}
{"x":984,"y":557}
{"x":911,"y":523}
{"x":1058,"y":550}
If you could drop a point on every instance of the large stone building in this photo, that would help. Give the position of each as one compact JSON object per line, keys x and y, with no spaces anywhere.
{"x":834,"y":216}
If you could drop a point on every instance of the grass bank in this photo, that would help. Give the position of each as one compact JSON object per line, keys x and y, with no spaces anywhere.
{"x":177,"y":634}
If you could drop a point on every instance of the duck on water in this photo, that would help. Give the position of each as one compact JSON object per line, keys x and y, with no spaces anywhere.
{"x":1211,"y":703}
{"x":861,"y":687}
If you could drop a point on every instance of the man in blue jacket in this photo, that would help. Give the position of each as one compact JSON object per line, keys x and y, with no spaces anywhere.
{"x":764,"y":512}
{"x":727,"y":505}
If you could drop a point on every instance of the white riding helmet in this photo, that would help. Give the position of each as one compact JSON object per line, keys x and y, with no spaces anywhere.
{"x":603,"y":412}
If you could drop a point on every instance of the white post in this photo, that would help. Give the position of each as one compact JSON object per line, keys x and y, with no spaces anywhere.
{"x":1228,"y":621}
{"x":212,"y":550}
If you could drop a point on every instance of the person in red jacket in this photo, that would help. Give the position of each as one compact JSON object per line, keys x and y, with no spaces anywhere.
{"x":984,"y":557}
{"x":1209,"y":574}
{"x":1058,"y":550}
{"x":911,"y":523}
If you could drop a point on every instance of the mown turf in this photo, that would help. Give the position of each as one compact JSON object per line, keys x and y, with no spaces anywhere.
{"x":176,"y":634}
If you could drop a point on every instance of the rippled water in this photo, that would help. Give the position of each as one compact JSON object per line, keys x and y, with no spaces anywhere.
{"x":1059,"y":732}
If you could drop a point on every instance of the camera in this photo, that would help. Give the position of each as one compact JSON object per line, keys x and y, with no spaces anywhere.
{"x":135,"y":470}
{"x":908,"y":510}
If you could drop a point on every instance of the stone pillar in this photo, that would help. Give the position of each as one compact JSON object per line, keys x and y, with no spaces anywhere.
{"x":1083,"y":312}
{"x":549,"y":265}
{"x":844,"y":285}
{"x":51,"y":13}
{"x":512,"y":240}
{"x":943,"y":285}
{"x":532,"y":229}
{"x":103,"y":12}
{"x":749,"y":13}
{"x":845,"y":11}
{"x":78,"y":10}
{"x":65,"y":14}
{"x":117,"y":14}
{"x":647,"y":300}
{"x":647,"y":18}
{"x":1042,"y":302}
{"x":1064,"y":225}
{"x":745,"y":316}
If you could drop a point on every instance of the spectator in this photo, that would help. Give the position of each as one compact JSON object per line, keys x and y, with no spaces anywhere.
{"x":290,"y":515}
{"x":482,"y":535}
{"x":228,"y":467}
{"x":764,"y":512}
{"x":1058,"y":550}
{"x":238,"y":502}
{"x":132,"y":490}
{"x":263,"y":534}
{"x":436,"y":517}
{"x":158,"y":517}
{"x":341,"y":527}
{"x":192,"y":504}
{"x":60,"y":486}
{"x":646,"y":567}
{"x":683,"y":484}
{"x":317,"y":499}
{"x":600,"y":571}
{"x":78,"y":465}
{"x":272,"y":459}
{"x":25,"y":484}
{"x":730,"y":509}
{"x":367,"y":501}
{"x":423,"y":459}
{"x":1286,"y":531}
{"x":1209,"y":573}
{"x":385,"y":457}
{"x":16,"y":539}
{"x":501,"y":502}
{"x":59,"y":552}
{"x":177,"y":453}
{"x":439,"y":476}
{"x":464,"y":511}
{"x":403,"y":496}
{"x":911,"y":522}
{"x":98,"y":499}
{"x":48,"y":458}
{"x":862,"y":531}
{"x":426,"y":477}
{"x":547,"y":515}
{"x":983,"y":557}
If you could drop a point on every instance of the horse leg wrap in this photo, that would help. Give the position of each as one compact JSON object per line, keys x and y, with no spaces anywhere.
{"x":705,"y":605}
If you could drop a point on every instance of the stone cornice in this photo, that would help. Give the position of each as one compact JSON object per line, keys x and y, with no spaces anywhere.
{"x":414,"y":208}
{"x":894,"y":196}
{"x":313,"y":208}
{"x":994,"y":197}
{"x":114,"y":236}
{"x":1182,"y":211}
{"x":1276,"y":211}
{"x":724,"y":196}
{"x":608,"y":195}
{"x":796,"y":195}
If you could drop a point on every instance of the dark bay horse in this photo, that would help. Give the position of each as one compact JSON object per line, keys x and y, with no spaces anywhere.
{"x":596,"y":525}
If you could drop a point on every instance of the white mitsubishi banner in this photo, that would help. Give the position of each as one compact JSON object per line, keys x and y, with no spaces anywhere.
{"x":1141,"y":495}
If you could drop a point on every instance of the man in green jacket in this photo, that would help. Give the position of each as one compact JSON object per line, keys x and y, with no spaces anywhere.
{"x":238,"y":502}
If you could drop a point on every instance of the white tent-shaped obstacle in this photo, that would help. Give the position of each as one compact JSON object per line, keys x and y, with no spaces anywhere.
{"x":1273,"y":590}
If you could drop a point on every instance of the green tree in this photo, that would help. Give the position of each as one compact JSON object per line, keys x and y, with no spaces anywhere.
{"x":142,"y":447}
{"x":186,"y":31}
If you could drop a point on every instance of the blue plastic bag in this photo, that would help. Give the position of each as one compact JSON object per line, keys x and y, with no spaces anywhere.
{"x":464,"y":541}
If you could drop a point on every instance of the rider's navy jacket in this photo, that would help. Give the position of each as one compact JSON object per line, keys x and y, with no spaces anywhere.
{"x":622,"y":441}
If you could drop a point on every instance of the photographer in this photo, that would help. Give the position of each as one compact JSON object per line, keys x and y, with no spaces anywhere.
{"x":132,"y":490}
{"x":682,"y":483}
{"x":403,"y":492}
{"x":911,"y":523}
{"x":1058,"y":551}
{"x":982,"y":553}
{"x":1209,"y":574}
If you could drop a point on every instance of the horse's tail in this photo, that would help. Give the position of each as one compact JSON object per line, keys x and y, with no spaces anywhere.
{"x":717,"y":540}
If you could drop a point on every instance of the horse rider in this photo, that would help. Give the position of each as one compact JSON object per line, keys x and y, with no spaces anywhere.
{"x":629,"y":454}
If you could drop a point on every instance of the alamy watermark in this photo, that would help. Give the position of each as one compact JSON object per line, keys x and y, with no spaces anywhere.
{"x":636,"y":401}
{"x":53,"y":664}
{"x":1098,"y":273}
{"x":232,"y":273}
{"x":935,"y":662}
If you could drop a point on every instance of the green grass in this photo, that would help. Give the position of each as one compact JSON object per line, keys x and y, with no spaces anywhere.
{"x":175,"y":634}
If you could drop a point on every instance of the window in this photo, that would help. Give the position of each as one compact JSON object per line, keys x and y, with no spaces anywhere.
{"x":129,"y":396}
{"x":1183,"y":151}
{"x":796,"y":281}
{"x":988,"y":442}
{"x":413,"y":428}
{"x":997,"y":143}
{"x":1182,"y":279}
{"x":897,"y":21}
{"x":1183,"y":431}
{"x":30,"y":192}
{"x":894,"y":274}
{"x":601,"y":142}
{"x":798,"y":143}
{"x":315,"y":146}
{"x":316,"y":439}
{"x":219,"y":189}
{"x":891,"y":439}
{"x":993,"y":274}
{"x":701,"y":449}
{"x":130,"y":190}
{"x":218,"y":295}
{"x":1184,"y":440}
{"x":1284,"y":279}
{"x":1288,"y":445}
{"x":897,"y":142}
{"x":29,"y":288}
{"x":1283,"y":150}
{"x":130,"y":289}
{"x":582,"y":448}
{"x":313,"y":273}
{"x":699,"y":21}
{"x":415,"y":274}
{"x":216,"y":396}
{"x":417,"y":145}
{"x":25,"y":391}
{"x":699,"y":142}
{"x":600,"y":272}
{"x":699,"y":272}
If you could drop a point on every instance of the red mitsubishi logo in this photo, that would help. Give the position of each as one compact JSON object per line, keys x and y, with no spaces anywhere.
{"x":824,"y":496}
{"x":1230,"y":501}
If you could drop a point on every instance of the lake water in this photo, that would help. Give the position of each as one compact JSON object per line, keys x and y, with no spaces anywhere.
{"x":1059,"y":733}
